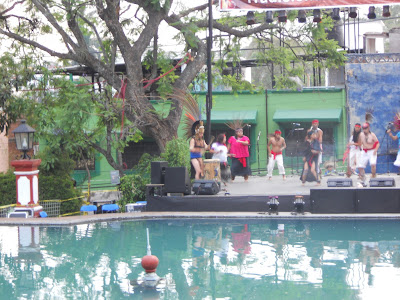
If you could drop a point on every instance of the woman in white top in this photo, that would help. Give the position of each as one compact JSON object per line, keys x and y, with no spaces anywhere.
{"x":220,"y":151}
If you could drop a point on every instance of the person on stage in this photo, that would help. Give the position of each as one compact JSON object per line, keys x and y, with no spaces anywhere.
{"x":354,"y":150}
{"x":276,"y":145}
{"x":369,"y":153}
{"x":238,"y":147}
{"x":312,"y":148}
{"x":194,"y":130}
{"x":197,"y":147}
{"x":220,"y":151}
{"x":319,"y":134}
{"x":396,"y":124}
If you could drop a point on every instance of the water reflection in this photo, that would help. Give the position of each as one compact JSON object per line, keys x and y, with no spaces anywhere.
{"x":203,"y":259}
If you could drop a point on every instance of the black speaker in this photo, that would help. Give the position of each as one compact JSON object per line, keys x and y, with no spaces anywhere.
{"x":377,"y":182}
{"x":340,"y":182}
{"x":158,"y":171}
{"x":177,"y":180}
{"x":205,"y":187}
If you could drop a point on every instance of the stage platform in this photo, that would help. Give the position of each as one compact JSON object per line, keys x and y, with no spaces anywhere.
{"x":253,"y":195}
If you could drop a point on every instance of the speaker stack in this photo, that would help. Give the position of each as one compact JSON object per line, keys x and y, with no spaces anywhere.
{"x":177,"y":180}
{"x":158,"y":171}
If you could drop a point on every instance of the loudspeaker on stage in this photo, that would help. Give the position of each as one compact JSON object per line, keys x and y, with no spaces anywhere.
{"x":177,"y":180}
{"x":382,"y":182}
{"x":205,"y":187}
{"x":340,"y":182}
{"x":158,"y":171}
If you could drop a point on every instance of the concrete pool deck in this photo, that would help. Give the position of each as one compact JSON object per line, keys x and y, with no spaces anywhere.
{"x":256,"y":185}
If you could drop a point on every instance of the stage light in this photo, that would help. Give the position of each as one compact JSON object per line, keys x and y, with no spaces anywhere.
{"x":298,"y":205}
{"x":353,"y":12}
{"x":250,"y":18}
{"x":317,"y":15}
{"x":302,"y":16}
{"x":273,"y":205}
{"x":282,"y":16}
{"x":269,"y":16}
{"x":371,"y":12}
{"x":336,"y":14}
{"x":386,"y":11}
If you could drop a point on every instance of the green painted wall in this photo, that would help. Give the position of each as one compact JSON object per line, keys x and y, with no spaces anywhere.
{"x":237,"y":106}
{"x":310,"y":99}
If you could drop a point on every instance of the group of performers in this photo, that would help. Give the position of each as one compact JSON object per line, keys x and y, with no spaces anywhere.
{"x":236,"y":148}
{"x":362,"y":149}
{"x":312,"y":154}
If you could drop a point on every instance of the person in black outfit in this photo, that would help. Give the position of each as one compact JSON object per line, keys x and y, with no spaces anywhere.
{"x":312,"y":149}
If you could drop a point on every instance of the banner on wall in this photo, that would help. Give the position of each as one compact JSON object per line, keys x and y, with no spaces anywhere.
{"x":230,"y":5}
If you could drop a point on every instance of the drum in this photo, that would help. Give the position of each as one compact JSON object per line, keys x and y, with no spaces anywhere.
{"x":212,"y":169}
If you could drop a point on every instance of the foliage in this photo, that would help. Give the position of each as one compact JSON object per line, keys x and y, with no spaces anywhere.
{"x":100,"y":33}
{"x":60,"y":188}
{"x":14,"y":73}
{"x":133,"y":187}
{"x":177,"y":153}
{"x":73,"y":122}
{"x":8,"y":189}
{"x":50,"y":188}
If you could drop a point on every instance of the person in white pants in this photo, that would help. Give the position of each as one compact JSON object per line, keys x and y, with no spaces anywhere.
{"x":275,"y":147}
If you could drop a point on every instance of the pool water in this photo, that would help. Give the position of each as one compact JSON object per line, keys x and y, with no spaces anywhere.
{"x":204,"y":259}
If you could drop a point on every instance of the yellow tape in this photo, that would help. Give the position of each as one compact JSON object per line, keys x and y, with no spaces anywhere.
{"x":7,"y":206}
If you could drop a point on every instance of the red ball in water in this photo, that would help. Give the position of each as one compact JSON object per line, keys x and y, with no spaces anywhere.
{"x":150,"y":263}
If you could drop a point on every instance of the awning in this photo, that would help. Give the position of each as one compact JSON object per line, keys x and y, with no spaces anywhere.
{"x":224,"y":116}
{"x":307,"y":115}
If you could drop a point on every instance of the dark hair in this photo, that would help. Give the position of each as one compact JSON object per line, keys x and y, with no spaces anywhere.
{"x":220,"y":138}
{"x":356,"y":135}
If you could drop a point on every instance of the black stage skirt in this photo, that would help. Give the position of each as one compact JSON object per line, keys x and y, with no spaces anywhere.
{"x":310,"y":177}
{"x":237,"y":168}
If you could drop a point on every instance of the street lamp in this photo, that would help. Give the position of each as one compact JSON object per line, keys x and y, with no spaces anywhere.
{"x":24,"y":135}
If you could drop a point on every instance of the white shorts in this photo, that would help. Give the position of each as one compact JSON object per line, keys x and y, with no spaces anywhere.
{"x":354,"y":157}
{"x":397,"y":161}
{"x":365,"y":157}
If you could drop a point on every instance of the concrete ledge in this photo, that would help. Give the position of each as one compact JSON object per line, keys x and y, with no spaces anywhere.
{"x":84,"y":219}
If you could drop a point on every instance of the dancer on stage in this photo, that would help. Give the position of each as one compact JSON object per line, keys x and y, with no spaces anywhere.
{"x":319,"y":134}
{"x":275,"y":154}
{"x":370,"y":146}
{"x":312,"y":148}
{"x":197,"y":147}
{"x":396,"y":124}
{"x":194,"y":129}
{"x":354,"y":150}
{"x":238,"y":147}
{"x":220,"y":151}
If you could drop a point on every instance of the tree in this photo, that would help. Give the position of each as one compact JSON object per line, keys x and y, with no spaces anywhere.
{"x":126,"y":29}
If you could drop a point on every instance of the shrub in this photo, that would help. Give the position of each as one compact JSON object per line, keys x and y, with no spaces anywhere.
{"x":133,"y":187}
{"x":50,"y":187}
{"x":59,"y":187}
{"x":177,"y":153}
{"x":8,"y":189}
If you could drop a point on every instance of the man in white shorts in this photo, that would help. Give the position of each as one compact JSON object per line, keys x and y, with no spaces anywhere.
{"x":275,"y":147}
{"x":369,"y":153}
{"x":354,"y":149}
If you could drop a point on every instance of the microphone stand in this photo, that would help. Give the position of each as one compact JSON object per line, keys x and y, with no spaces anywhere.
{"x":258,"y":152}
{"x":291,"y":153}
{"x":387,"y":149}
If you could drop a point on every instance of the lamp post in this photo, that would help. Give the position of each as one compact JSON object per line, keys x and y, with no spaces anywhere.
{"x":26,"y":173}
{"x":24,"y":138}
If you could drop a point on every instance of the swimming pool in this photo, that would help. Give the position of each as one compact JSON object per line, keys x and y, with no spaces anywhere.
{"x":204,"y":259}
